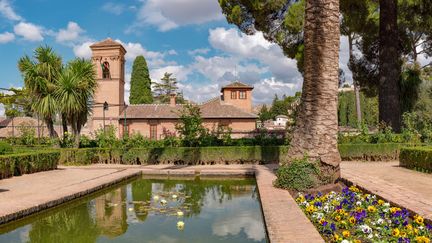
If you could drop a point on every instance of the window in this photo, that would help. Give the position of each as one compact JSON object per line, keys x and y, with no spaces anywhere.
{"x":106,"y":70}
{"x":233,"y":95}
{"x":242,"y":95}
{"x":153,"y":132}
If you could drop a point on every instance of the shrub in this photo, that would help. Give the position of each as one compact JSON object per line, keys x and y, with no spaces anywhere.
{"x":371,"y":152}
{"x":26,"y":163}
{"x":419,"y":158}
{"x":27,"y":136}
{"x":5,"y":148}
{"x":298,"y":175}
{"x":106,"y":138}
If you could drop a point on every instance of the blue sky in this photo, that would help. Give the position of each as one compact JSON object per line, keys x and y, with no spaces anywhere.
{"x":189,"y":38}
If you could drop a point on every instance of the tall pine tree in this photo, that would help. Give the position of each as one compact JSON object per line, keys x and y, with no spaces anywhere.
{"x":140,"y":90}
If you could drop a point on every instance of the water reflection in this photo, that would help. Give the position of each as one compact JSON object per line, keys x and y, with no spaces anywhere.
{"x":213,"y":211}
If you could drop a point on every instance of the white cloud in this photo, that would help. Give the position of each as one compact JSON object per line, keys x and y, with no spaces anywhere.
{"x":71,"y":33}
{"x":7,"y":11}
{"x":172,"y":52}
{"x":265,"y":89}
{"x":170,"y":14}
{"x":201,"y":51}
{"x":114,"y":8}
{"x":6,"y":37}
{"x":255,"y":47}
{"x":83,"y":50}
{"x":29,"y":31}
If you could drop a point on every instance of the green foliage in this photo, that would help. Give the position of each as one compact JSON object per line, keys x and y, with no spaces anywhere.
{"x":419,"y":158}
{"x":106,"y":138}
{"x":5,"y":148}
{"x":27,"y":134}
{"x":264,"y":114}
{"x":174,"y":155}
{"x":167,"y":87}
{"x":371,"y":152}
{"x":26,"y":163}
{"x":140,"y":90}
{"x":347,"y":115}
{"x":190,"y":127}
{"x":298,"y":175}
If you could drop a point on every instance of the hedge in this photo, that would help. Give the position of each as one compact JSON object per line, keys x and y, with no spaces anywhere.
{"x":419,"y":158}
{"x":174,"y":155}
{"x":27,"y":163}
{"x":371,"y":152}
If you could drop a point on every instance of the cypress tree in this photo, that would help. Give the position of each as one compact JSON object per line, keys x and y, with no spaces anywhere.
{"x":140,"y":90}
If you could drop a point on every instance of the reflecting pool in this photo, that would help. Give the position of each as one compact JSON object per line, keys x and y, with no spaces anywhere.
{"x":152,"y":210}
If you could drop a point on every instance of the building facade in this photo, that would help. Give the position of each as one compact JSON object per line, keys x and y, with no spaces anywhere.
{"x":232,"y":108}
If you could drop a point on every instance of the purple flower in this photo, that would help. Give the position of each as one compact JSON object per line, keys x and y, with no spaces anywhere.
{"x":333,"y":227}
{"x":325,"y":223}
{"x":318,"y":204}
{"x":429,"y":226}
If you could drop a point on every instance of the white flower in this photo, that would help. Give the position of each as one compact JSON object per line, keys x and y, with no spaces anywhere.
{"x":370,"y":236}
{"x":380,"y":221}
{"x":130,"y":209}
{"x":180,"y":225}
{"x":174,"y":196}
{"x":163,"y":201}
{"x":180,"y":213}
{"x":386,"y":204}
{"x":326,"y":209}
{"x":345,"y":241}
{"x":358,"y":203}
{"x":156,"y":198}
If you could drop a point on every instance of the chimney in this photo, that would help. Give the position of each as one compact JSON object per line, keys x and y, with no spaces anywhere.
{"x":173,"y":100}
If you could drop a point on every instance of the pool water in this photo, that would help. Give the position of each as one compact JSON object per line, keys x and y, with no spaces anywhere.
{"x":152,"y":210}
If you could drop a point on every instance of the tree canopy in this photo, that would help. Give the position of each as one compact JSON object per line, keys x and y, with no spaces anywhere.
{"x":140,"y":89}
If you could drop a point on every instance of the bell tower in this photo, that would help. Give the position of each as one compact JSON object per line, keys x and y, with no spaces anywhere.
{"x":109,"y":63}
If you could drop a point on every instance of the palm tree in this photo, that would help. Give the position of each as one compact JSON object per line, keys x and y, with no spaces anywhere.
{"x":316,"y":127}
{"x":74,"y":92}
{"x":40,"y":74}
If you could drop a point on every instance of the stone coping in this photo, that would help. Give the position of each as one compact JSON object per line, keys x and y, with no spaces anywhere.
{"x":284,"y":220}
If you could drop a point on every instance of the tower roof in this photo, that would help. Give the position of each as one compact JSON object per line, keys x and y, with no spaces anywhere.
{"x":237,"y":84}
{"x":107,"y":43}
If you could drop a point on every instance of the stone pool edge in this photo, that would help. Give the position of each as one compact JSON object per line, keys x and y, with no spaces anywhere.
{"x":112,"y":180}
{"x":283,"y":219}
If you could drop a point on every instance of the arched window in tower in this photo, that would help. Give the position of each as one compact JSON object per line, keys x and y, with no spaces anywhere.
{"x":106,"y":70}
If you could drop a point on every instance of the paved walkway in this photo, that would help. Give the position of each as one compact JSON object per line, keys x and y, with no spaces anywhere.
{"x":403,"y":187}
{"x":285,"y":221}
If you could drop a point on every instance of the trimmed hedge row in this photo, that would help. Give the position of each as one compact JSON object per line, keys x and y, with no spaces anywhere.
{"x":419,"y":158}
{"x":216,"y":155}
{"x":371,"y":152}
{"x":27,"y":163}
{"x":174,"y":155}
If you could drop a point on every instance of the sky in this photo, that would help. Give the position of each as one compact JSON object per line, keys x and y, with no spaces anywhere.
{"x":189,"y":38}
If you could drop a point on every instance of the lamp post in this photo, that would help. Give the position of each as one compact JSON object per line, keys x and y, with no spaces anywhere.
{"x":105,"y":108}
{"x":125,"y":128}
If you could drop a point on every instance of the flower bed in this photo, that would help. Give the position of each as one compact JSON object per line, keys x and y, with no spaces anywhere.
{"x":354,"y":216}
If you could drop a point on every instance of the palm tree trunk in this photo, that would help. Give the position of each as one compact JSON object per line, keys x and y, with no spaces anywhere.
{"x":316,"y":128}
{"x":64,"y":124}
{"x":50,"y":125}
{"x":389,"y":66}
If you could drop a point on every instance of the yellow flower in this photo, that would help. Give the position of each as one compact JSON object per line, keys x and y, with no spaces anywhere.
{"x":409,"y":227}
{"x":418,"y":219}
{"x":310,"y":209}
{"x":336,"y":237}
{"x":354,"y":189}
{"x":380,"y":202}
{"x":300,"y":199}
{"x":352,"y":220}
{"x":416,"y":231}
{"x":341,"y":211}
{"x":403,"y":234}
{"x":371,"y":209}
{"x":393,"y":210}
{"x":357,"y":241}
{"x":321,"y":221}
{"x":422,"y":239}
{"x":359,"y":209}
{"x":346,"y":234}
{"x":395,"y":232}
{"x":338,"y":218}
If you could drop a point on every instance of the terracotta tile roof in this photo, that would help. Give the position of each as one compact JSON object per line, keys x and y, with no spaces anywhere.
{"x":237,"y":84}
{"x":213,"y":108}
{"x":106,"y":43}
